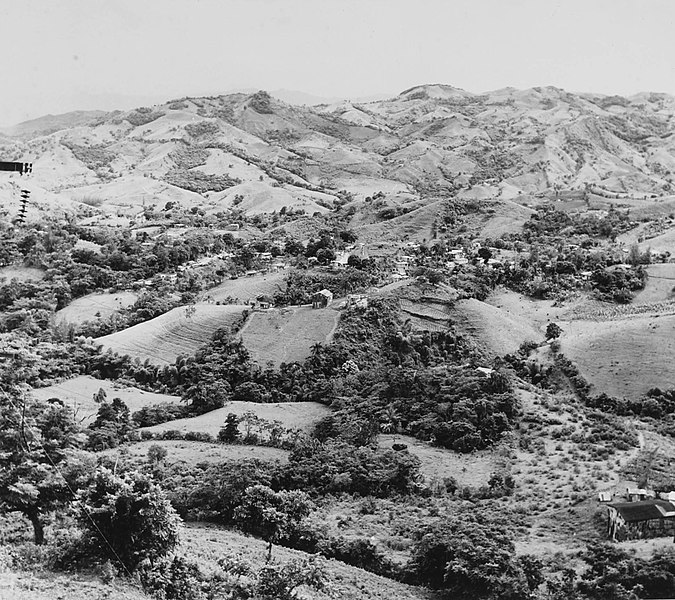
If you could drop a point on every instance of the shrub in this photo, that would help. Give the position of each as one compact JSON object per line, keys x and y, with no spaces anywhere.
{"x":127,"y":519}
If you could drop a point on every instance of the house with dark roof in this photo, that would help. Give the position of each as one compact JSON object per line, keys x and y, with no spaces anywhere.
{"x":639,"y":520}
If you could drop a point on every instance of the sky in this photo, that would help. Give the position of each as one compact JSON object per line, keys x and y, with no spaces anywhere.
{"x":65,"y":55}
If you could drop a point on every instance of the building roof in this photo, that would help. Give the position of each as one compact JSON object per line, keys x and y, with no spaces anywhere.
{"x":642,"y":511}
{"x":325,"y":293}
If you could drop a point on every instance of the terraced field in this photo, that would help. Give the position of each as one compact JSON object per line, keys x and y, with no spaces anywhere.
{"x":181,"y":331}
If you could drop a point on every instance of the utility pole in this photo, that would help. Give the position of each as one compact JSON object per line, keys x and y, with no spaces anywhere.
{"x":22,"y":168}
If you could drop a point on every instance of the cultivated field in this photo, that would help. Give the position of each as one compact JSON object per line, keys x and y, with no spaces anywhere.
{"x":178,"y":332}
{"x":287,"y":334}
{"x":244,"y":289}
{"x":623,"y":357}
{"x":196,"y":452}
{"x":292,"y":415}
{"x":93,"y":306}
{"x":78,"y":393}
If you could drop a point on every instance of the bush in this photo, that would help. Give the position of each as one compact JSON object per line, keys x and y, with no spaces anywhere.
{"x":127,"y":519}
{"x":175,"y":579}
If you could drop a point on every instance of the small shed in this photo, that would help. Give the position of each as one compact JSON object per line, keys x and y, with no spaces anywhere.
{"x":322,"y":299}
{"x":640,"y":520}
{"x":264,"y":302}
{"x":638,"y":494}
{"x":604,"y":496}
{"x":357,"y":301}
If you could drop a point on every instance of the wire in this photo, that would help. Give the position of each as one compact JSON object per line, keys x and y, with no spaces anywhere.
{"x":72,"y":491}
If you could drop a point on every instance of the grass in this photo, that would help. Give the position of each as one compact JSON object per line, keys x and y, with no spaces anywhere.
{"x":78,"y":393}
{"x":206,"y":544}
{"x":295,"y":415}
{"x":21,"y":273}
{"x":196,"y":452}
{"x":498,"y":330}
{"x":624,"y":358}
{"x":287,"y":334}
{"x":245,"y":288}
{"x":438,"y":463}
{"x":94,"y":306}
{"x":178,"y":332}
{"x":659,"y":286}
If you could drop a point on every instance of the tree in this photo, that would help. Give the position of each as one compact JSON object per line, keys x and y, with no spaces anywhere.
{"x":473,"y":558}
{"x":35,"y":440}
{"x":553,"y":331}
{"x":485,"y":254}
{"x":127,"y":519}
{"x":229,"y":433}
{"x":112,"y":426}
{"x":156,"y":454}
{"x":271,"y":515}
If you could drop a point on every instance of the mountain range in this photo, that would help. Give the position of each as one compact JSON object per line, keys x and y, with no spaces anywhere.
{"x":428,"y":142}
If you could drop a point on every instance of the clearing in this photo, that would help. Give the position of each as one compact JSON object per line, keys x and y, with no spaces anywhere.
{"x":293,"y":415}
{"x":78,"y":393}
{"x":287,"y":335}
{"x":21,"y":274}
{"x":93,"y":306}
{"x":500,"y":331}
{"x":438,"y":463}
{"x":660,"y":284}
{"x":623,"y":358}
{"x":196,"y":452}
{"x":244,"y":289}
{"x":180,"y":331}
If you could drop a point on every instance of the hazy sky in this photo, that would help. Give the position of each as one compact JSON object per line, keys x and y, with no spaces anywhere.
{"x":61,"y":55}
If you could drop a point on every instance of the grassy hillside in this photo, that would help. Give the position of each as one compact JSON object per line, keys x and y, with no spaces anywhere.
{"x":180,"y":331}
{"x":95,"y":306}
{"x":78,"y":393}
{"x":287,"y":334}
{"x":296,"y":415}
{"x":623,"y":357}
{"x":196,"y":452}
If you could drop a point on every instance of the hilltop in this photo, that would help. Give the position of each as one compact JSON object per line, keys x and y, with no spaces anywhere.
{"x":430,"y":140}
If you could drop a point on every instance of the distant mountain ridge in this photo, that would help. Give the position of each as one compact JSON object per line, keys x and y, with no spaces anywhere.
{"x":429,"y":142}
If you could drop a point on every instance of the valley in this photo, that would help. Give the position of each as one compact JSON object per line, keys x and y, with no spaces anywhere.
{"x":356,"y":335}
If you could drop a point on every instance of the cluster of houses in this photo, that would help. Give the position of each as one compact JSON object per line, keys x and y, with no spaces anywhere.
{"x":642,"y":514}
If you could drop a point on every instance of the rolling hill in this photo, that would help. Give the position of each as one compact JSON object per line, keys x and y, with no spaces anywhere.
{"x":180,"y":331}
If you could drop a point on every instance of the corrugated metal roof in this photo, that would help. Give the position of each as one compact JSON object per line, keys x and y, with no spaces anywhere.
{"x":642,"y":511}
